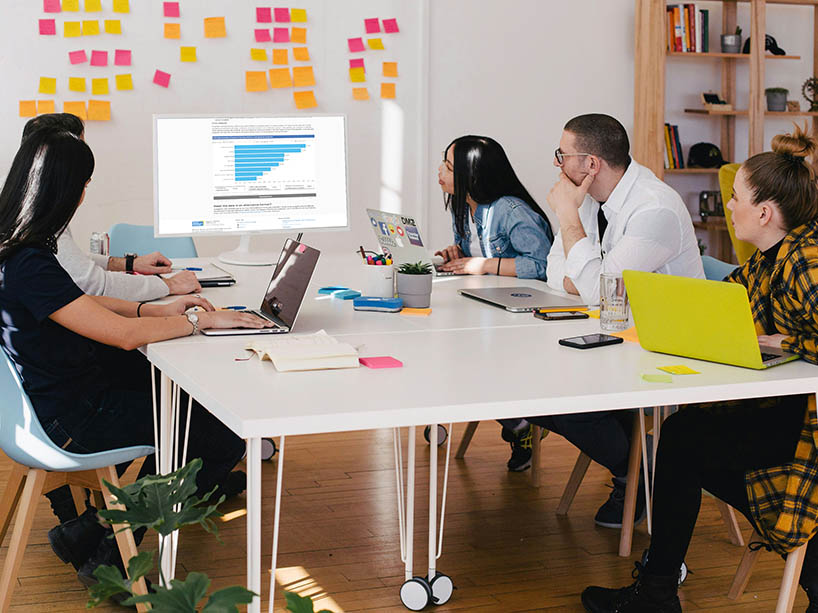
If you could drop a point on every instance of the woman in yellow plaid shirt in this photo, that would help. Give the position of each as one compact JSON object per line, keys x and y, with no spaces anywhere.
{"x":758,"y":455}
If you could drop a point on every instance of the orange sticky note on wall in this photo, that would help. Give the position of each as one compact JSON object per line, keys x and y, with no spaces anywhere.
{"x":45,"y":106}
{"x":113,"y":26}
{"x":90,"y":28}
{"x":173,"y":30}
{"x":214,"y":27}
{"x":75,"y":108}
{"x":387,"y":90}
{"x":280,"y":77}
{"x":280,"y":57}
{"x":357,"y":75}
{"x":99,"y":110}
{"x":301,"y":54}
{"x":298,"y":35}
{"x":124,"y":82}
{"x":48,"y":85}
{"x":255,"y":81}
{"x":258,"y":54}
{"x":28,"y":108}
{"x":303,"y":76}
{"x":71,"y":29}
{"x":360,"y":93}
{"x":390,"y":69}
{"x":374,"y":43}
{"x":76,"y":84}
{"x":99,"y":87}
{"x":305,"y":100}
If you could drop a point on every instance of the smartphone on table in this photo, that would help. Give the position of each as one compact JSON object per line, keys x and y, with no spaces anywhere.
{"x":589,"y":341}
{"x":560,"y":315}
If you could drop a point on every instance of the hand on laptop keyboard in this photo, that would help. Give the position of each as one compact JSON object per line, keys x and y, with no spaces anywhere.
{"x":771,"y":340}
{"x":232,"y":319}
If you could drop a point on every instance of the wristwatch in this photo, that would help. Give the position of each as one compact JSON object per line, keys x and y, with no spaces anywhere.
{"x":129,"y":258}
{"x":193,"y":318}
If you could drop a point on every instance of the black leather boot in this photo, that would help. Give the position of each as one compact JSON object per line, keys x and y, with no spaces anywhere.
{"x":648,"y":594}
{"x":75,"y":540}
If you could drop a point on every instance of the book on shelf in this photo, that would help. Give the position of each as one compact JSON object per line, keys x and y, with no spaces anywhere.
{"x":673,"y":148}
{"x":688,"y":28}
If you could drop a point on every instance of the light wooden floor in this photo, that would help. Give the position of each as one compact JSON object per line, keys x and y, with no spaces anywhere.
{"x":504,"y":547}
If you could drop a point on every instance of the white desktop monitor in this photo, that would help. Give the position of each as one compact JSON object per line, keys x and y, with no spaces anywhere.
{"x":248,"y":174}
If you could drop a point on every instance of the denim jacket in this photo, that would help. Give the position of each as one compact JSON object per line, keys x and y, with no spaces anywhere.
{"x":509,"y":228}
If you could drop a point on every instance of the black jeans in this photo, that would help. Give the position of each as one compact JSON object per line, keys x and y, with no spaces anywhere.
{"x":120,"y":416}
{"x":711,"y":447}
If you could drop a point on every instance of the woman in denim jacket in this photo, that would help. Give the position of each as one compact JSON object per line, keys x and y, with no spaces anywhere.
{"x":513,"y":231}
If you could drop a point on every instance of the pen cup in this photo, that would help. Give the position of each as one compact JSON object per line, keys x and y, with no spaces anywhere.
{"x":379,"y":281}
{"x":614,"y":310}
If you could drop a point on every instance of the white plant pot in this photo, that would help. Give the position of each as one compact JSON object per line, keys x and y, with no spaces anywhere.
{"x":414,"y":290}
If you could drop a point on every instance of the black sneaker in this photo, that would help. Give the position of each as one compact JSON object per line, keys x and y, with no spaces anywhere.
{"x":520,"y":442}
{"x":106,"y":554}
{"x":609,"y":514}
{"x":75,"y":540}
{"x":233,"y":485}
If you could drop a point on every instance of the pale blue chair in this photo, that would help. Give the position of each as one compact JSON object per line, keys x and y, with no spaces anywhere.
{"x":41,"y":466}
{"x":716,"y":270}
{"x":128,"y":238}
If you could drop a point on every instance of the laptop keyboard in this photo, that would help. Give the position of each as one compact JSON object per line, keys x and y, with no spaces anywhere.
{"x":768,"y":356}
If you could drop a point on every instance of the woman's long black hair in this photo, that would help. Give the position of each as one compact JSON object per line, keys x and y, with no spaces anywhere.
{"x":43,"y":189}
{"x":482,"y":171}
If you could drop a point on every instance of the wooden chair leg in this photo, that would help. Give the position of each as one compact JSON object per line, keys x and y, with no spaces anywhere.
{"x":580,"y":468}
{"x":79,"y":496}
{"x":537,"y":438}
{"x":728,"y":514}
{"x":745,"y":569}
{"x":464,"y":442}
{"x":33,"y":489}
{"x":631,"y":489}
{"x":98,"y":498}
{"x":124,"y":538}
{"x":11,"y":496}
{"x":789,"y":582}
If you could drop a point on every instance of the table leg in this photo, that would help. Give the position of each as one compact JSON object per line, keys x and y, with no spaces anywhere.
{"x":254,"y":523}
{"x":410,"y":503}
{"x":164,"y":462}
{"x":277,"y":516}
{"x":432,"y":502}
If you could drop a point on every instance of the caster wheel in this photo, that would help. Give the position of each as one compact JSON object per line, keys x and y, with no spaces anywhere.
{"x":416,"y":594}
{"x":268,"y":449}
{"x":442,"y":588}
{"x":442,"y":434}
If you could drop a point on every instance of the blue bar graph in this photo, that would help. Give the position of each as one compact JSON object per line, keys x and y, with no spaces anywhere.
{"x":252,"y":161}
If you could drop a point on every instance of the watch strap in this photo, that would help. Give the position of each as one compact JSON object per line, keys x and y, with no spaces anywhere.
{"x":129,"y":258}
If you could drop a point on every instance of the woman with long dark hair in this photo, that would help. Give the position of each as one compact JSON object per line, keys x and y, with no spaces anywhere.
{"x":514,"y":233}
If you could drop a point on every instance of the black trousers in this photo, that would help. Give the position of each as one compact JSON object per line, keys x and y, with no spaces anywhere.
{"x":711,"y":447}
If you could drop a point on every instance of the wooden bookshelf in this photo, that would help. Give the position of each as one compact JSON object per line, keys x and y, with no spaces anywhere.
{"x":734,"y":56}
{"x":691,"y":171}
{"x":740,"y":112}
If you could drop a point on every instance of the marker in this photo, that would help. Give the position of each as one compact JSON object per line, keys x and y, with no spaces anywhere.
{"x":236,"y":307}
{"x":192,"y":268}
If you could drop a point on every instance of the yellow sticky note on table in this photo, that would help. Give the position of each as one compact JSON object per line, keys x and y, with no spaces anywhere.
{"x":71,"y":29}
{"x":280,"y":57}
{"x":280,"y":77}
{"x":679,"y":369}
{"x":255,"y":81}
{"x":301,"y":54}
{"x":303,"y":76}
{"x":124,"y":82}
{"x":629,"y":335}
{"x":76,"y":84}
{"x":99,"y":87}
{"x":75,"y":108}
{"x":305,"y":100}
{"x":28,"y":108}
{"x":48,"y":85}
{"x":187,"y":54}
{"x":374,"y":43}
{"x":99,"y":110}
{"x":390,"y":69}
{"x":71,"y":5}
{"x":360,"y":93}
{"x":91,"y":6}
{"x":113,"y":26}
{"x":298,"y":35}
{"x":416,"y":312}
{"x":357,"y":75}
{"x":258,"y":54}
{"x":593,"y":314}
{"x":387,"y":90}
{"x":122,"y":6}
{"x":298,"y":15}
{"x":45,"y":106}
{"x":657,"y":378}
{"x":214,"y":27}
{"x":173,"y":30}
{"x":90,"y":28}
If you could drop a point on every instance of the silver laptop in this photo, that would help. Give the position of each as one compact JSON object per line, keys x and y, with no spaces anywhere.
{"x":284,"y":294}
{"x":522,"y":299}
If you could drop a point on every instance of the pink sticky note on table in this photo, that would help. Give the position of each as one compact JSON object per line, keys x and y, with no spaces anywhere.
{"x":48,"y":27}
{"x":356,"y":44}
{"x":99,"y":58}
{"x":381,"y":362}
{"x":122,"y":57}
{"x":282,"y":15}
{"x":161,"y":78}
{"x":357,"y":63}
{"x":372,"y":25}
{"x":77,"y":57}
{"x":264,"y":15}
{"x":171,"y":9}
{"x":51,"y":6}
{"x":390,"y":26}
{"x":262,"y":35}
{"x":281,"y":35}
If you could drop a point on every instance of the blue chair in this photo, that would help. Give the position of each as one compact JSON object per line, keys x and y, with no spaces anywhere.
{"x":128,"y":238}
{"x":40,"y":466}
{"x":716,"y":270}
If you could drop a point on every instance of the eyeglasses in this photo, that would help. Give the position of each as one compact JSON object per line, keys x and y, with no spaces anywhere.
{"x":560,"y":156}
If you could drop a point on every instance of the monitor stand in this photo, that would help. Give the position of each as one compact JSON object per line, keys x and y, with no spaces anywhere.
{"x":242,"y":256}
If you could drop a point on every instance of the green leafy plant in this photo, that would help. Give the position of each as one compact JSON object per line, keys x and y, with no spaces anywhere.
{"x":418,"y":268}
{"x":301,"y":604}
{"x":776,"y":90}
{"x":738,"y":30}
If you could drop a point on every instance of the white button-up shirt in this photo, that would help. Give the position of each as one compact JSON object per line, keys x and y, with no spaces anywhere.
{"x":649,"y":229}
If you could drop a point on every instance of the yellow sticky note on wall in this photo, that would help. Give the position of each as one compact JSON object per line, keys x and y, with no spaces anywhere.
{"x":28,"y":108}
{"x":92,"y":6}
{"x":71,"y":6}
{"x":90,"y":28}
{"x":390,"y":69}
{"x":357,"y":75}
{"x":214,"y":27}
{"x":76,"y":84}
{"x":173,"y":30}
{"x":99,"y":110}
{"x":187,"y":54}
{"x":45,"y":106}
{"x":280,"y":77}
{"x":75,"y":108}
{"x":360,"y":93}
{"x":48,"y":85}
{"x":305,"y":100}
{"x":387,"y":90}
{"x":122,"y":6}
{"x":301,"y":54}
{"x":298,"y":35}
{"x":71,"y":29}
{"x":99,"y":87}
{"x":113,"y":26}
{"x":280,"y":57}
{"x":303,"y":76}
{"x":298,"y":15}
{"x":124,"y":82}
{"x":374,"y":43}
{"x":255,"y":81}
{"x":258,"y":54}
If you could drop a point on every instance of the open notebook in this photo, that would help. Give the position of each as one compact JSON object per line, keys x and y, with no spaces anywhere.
{"x":318,"y":351}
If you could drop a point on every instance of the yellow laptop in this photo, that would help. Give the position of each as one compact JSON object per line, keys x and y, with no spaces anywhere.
{"x":695,"y":318}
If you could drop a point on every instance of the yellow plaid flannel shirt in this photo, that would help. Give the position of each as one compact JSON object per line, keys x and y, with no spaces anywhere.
{"x":784,"y":300}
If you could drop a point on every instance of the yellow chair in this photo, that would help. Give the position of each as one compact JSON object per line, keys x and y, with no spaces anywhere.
{"x":727,"y":174}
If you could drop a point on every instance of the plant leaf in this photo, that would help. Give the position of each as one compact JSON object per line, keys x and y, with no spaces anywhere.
{"x":111,"y":582}
{"x":181,"y":597}
{"x":139,"y":565}
{"x":225,"y":601}
{"x":298,"y":604}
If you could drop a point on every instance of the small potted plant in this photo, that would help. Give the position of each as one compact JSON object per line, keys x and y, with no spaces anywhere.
{"x":776,"y":98}
{"x":415,"y":284}
{"x":731,"y":43}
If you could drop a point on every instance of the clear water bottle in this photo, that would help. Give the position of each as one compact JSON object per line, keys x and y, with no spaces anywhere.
{"x":99,"y":243}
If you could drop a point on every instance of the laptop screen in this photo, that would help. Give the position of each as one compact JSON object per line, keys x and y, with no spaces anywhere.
{"x":289,"y":283}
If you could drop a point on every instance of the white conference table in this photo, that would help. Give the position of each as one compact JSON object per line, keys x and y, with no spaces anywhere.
{"x":467,"y":361}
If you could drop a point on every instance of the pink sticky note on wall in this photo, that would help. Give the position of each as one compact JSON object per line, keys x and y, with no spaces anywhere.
{"x":171,"y":9}
{"x":356,"y":44}
{"x":372,"y":25}
{"x":357,"y":63}
{"x":161,"y":78}
{"x":51,"y":6}
{"x":264,"y":15}
{"x":122,"y":57}
{"x":281,"y":35}
{"x":262,"y":35}
{"x":390,"y":26}
{"x":99,"y":58}
{"x":48,"y":27}
{"x":381,"y":362}
{"x":282,"y":15}
{"x":77,"y":57}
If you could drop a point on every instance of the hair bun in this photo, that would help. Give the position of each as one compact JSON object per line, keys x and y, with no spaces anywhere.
{"x":799,"y":145}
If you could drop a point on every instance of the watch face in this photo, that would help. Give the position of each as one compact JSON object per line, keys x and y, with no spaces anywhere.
{"x":193,"y":318}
